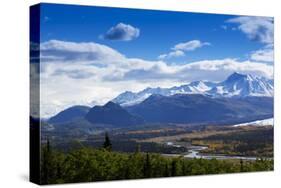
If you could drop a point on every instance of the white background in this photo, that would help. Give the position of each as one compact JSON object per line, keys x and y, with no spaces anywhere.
{"x":14,"y":91}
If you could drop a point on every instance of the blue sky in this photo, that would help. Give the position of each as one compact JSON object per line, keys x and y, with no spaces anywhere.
{"x":89,"y":55}
{"x":159,"y":31}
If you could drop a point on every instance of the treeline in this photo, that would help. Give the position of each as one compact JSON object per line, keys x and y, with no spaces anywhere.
{"x":87,"y":164}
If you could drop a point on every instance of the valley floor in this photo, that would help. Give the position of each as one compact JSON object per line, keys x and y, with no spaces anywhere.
{"x":217,"y":141}
{"x":155,"y":151}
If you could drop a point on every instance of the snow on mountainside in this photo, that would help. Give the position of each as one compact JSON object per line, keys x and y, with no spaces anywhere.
{"x":243,"y":85}
{"x":236,"y":85}
{"x":264,"y":122}
{"x":129,"y":98}
{"x":196,"y":87}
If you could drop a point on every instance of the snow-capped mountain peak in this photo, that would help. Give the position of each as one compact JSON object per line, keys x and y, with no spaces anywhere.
{"x":235,"y":85}
{"x":242,"y":85}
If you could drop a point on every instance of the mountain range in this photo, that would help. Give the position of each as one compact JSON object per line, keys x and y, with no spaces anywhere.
{"x":236,"y":85}
{"x":201,"y":109}
{"x":238,"y":99}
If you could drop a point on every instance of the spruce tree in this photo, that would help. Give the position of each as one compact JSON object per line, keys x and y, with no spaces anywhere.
{"x":147,"y":167}
{"x":166,"y":172}
{"x":183,"y":168}
{"x":241,"y":165}
{"x":174,"y":168}
{"x":107,"y":143}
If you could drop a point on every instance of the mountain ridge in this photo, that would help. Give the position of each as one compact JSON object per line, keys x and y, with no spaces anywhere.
{"x":69,"y":114}
{"x":197,"y":108}
{"x":112,"y":114}
{"x":235,"y":85}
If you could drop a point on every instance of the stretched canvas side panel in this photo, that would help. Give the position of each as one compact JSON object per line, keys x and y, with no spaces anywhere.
{"x":34,"y":163}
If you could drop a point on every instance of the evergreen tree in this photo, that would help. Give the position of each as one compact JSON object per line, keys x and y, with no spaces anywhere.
{"x":48,"y":145}
{"x":107,"y":143}
{"x":241,"y":165}
{"x":183,"y":168}
{"x":174,"y":168}
{"x":147,"y":167}
{"x":166,"y":172}
{"x":59,"y":175}
{"x":127,"y":167}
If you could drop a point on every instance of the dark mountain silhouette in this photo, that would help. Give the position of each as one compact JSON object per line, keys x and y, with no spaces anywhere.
{"x":69,"y":114}
{"x":112,"y":114}
{"x":196,"y":108}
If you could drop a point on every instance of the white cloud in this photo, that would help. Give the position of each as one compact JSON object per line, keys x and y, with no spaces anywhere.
{"x":82,"y":78}
{"x":260,"y":29}
{"x":212,"y":70}
{"x":256,"y":28}
{"x":265,"y":54}
{"x":177,"y":53}
{"x":190,"y":45}
{"x":179,"y":49}
{"x":56,"y":50}
{"x":123,"y":32}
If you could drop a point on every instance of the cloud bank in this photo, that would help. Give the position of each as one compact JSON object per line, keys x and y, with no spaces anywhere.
{"x":91,"y":73}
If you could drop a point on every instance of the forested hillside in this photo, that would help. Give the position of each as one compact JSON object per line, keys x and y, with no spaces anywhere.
{"x":88,"y":164}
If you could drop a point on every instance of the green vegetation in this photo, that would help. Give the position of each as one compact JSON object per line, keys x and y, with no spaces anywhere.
{"x":136,"y":153}
{"x":88,"y":164}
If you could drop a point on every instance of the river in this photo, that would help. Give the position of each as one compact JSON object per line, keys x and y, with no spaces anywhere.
{"x":194,"y":152}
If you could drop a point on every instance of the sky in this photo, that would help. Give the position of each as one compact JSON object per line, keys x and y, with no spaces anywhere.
{"x":89,"y":55}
